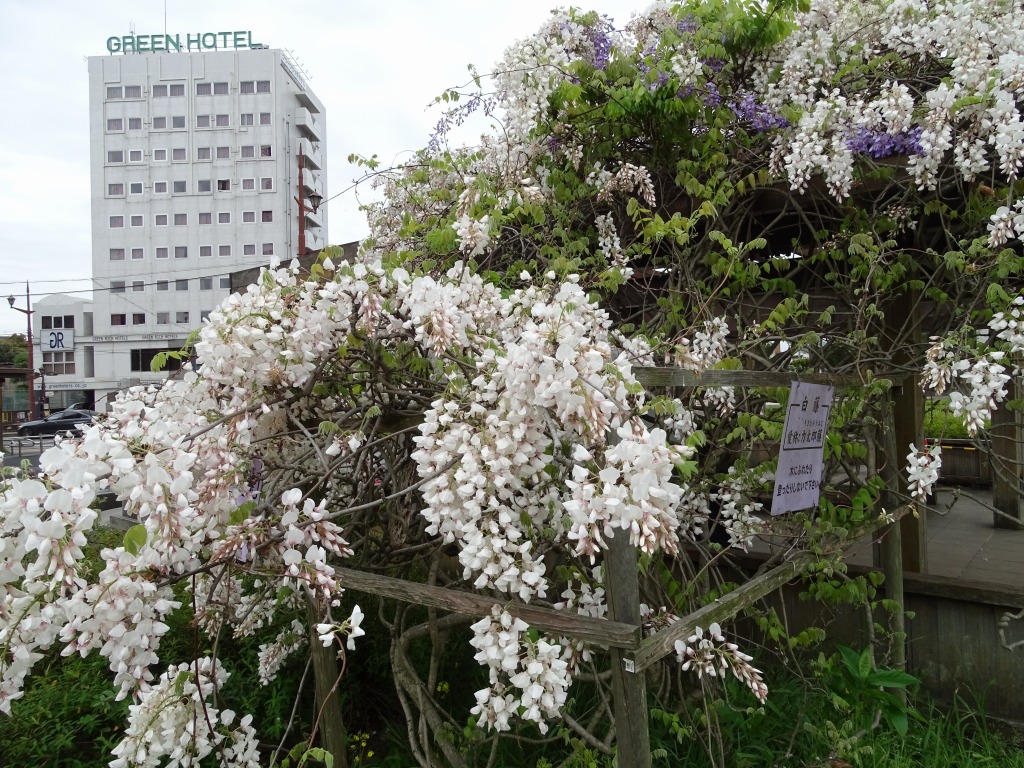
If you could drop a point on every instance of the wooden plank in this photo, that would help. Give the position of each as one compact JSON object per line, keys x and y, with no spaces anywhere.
{"x":657,"y":646}
{"x":600,"y":631}
{"x":675,"y":376}
{"x":629,"y":688}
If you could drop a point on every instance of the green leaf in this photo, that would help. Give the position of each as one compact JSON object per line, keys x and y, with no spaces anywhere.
{"x":180,"y":680}
{"x":891,"y":678}
{"x":864,"y":665}
{"x":242,"y":512}
{"x":135,"y":539}
{"x":898,"y":720}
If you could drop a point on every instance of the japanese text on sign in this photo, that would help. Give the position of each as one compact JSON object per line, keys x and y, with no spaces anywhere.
{"x":801,"y":460}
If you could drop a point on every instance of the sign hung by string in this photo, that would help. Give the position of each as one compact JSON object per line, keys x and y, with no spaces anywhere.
{"x":801,"y":454}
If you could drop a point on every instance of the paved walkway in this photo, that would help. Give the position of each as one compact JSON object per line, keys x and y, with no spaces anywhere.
{"x":962,"y":542}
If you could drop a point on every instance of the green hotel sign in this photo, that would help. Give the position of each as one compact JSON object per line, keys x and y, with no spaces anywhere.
{"x":201,"y":41}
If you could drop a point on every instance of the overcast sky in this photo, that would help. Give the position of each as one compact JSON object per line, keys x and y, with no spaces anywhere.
{"x":375,"y":65}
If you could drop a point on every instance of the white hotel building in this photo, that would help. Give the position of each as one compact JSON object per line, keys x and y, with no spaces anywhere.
{"x":194,"y":175}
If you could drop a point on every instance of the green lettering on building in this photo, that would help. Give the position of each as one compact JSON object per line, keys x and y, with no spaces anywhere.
{"x":199,"y":41}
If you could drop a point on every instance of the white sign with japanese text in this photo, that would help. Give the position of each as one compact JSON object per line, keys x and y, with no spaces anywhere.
{"x":802,"y":456}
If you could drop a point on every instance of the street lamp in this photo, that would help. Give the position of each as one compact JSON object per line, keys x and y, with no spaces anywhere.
{"x":31,"y":367}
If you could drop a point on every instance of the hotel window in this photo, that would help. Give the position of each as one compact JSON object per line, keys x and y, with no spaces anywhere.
{"x":138,"y":285}
{"x":58,"y":321}
{"x":246,"y":119}
{"x":219,"y":89}
{"x":265,"y":150}
{"x":249,"y":249}
{"x":159,"y":155}
{"x":267,"y":183}
{"x":177,"y":121}
{"x":223,"y":185}
{"x":115,"y":156}
{"x":134,"y":155}
{"x":117,"y":286}
{"x":248,"y":217}
{"x":264,"y":118}
{"x":248,"y":151}
{"x":119,"y":319}
{"x":223,"y":153}
{"x":204,"y":185}
{"x":133,"y":91}
{"x":181,"y":219}
{"x":246,"y":86}
{"x":262,"y":86}
{"x":248,"y":184}
{"x":225,"y":282}
{"x":161,"y":253}
{"x":181,"y":317}
{"x":205,"y":218}
{"x":177,"y":89}
{"x":204,"y":314}
{"x":135,"y":188}
{"x":58,"y":363}
{"x":268,"y":249}
{"x":159,"y":123}
{"x":203,"y":153}
{"x":181,"y":285}
{"x":137,"y":254}
{"x":162,"y":285}
{"x":160,"y":220}
{"x":136,"y":220}
{"x":205,"y":283}
{"x":179,"y":154}
{"x":224,"y":250}
{"x":204,"y":89}
{"x":159,"y":91}
{"x":224,"y":217}
{"x":139,"y":318}
{"x":179,"y":187}
{"x":181,"y":252}
{"x":116,"y":222}
{"x":163,"y":318}
{"x":267,"y":216}
{"x":134,"y":123}
{"x":117,"y":254}
{"x":159,"y":187}
{"x":202,"y":121}
{"x":205,"y":250}
{"x":115,"y":125}
{"x":223,"y":121}
{"x":115,"y":190}
{"x":114,"y":92}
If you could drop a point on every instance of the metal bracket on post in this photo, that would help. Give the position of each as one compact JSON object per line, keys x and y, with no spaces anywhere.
{"x":629,"y":665}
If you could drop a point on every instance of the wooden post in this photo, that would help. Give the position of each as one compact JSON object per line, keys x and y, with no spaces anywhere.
{"x":908,"y":427}
{"x":892,"y":539}
{"x":1005,"y":462}
{"x":328,"y":702}
{"x":629,"y":688}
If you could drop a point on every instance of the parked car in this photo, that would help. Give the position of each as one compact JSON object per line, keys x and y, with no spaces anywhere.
{"x":62,"y":421}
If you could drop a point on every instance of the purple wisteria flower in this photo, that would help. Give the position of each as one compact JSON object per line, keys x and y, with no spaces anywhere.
{"x":601,"y":38}
{"x":711,"y":97}
{"x":879,"y":144}
{"x":748,"y":110}
{"x":687,"y":25}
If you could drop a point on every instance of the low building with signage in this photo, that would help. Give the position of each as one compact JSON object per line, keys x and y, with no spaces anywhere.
{"x":64,"y":354}
{"x":195,"y":140}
